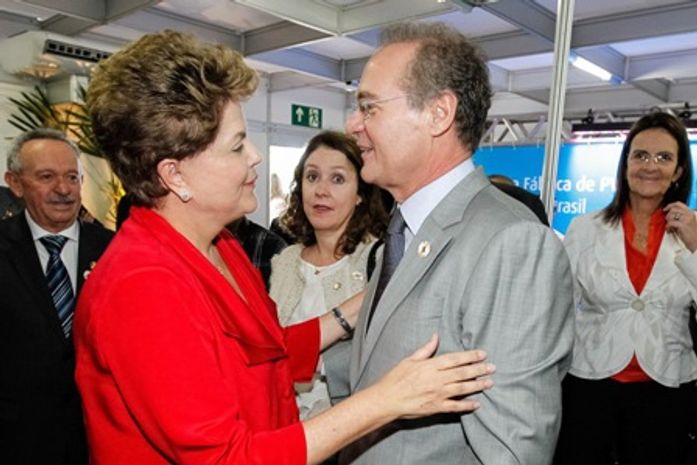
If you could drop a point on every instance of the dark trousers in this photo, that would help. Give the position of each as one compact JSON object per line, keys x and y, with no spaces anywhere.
{"x":604,"y":421}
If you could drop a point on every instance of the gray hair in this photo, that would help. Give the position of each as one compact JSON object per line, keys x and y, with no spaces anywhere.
{"x":445,"y":60}
{"x":14,"y":161}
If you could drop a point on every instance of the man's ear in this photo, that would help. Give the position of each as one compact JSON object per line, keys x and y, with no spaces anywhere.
{"x":442,"y":112}
{"x":14,"y":183}
{"x":168,"y":170}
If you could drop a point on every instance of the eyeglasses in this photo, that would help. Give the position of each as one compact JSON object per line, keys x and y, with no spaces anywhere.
{"x":367,"y":107}
{"x":645,"y":157}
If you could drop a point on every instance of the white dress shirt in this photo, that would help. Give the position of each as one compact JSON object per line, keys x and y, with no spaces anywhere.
{"x":69,"y":252}
{"x":421,"y":203}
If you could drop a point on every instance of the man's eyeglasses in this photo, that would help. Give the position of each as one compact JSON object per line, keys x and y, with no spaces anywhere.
{"x":367,"y":107}
{"x":645,"y":157}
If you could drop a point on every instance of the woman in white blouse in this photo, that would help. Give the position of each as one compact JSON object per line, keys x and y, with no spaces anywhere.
{"x":336,"y":218}
{"x":630,"y":391}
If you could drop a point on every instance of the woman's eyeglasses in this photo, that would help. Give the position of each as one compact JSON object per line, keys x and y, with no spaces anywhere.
{"x":645,"y":157}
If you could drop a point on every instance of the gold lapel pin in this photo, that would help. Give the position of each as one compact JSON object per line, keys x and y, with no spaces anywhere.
{"x":424,"y":249}
{"x":87,"y":272}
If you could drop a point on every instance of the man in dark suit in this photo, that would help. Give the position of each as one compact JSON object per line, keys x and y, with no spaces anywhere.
{"x":260,"y":244}
{"x":533,"y":202}
{"x":45,"y":256}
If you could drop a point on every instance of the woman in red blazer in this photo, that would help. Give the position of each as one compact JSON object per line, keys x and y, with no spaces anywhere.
{"x":180,"y":357}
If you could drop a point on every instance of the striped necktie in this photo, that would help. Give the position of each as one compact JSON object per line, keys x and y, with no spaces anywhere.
{"x":59,"y":282}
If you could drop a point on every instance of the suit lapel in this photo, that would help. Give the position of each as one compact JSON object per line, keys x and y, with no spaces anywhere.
{"x":88,"y":251}
{"x":611,"y":255}
{"x":435,"y":234}
{"x":23,"y":257}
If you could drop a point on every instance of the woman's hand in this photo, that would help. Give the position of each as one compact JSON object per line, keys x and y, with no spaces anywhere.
{"x":422,"y":385}
{"x":682,"y":221}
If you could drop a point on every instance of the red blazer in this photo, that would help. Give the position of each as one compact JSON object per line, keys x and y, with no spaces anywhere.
{"x":174,"y":367}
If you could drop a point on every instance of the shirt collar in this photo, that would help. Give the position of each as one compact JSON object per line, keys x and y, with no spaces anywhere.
{"x":419,"y":205}
{"x":37,"y":232}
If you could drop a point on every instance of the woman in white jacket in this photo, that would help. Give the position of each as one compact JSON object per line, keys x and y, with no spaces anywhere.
{"x":630,"y":391}
{"x":337,"y":218}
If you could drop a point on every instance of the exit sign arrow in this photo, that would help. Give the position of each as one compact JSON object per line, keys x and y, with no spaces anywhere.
{"x":299,"y":113}
{"x":310,"y":117}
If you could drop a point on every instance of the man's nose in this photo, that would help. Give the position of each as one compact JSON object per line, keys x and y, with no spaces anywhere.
{"x":354,"y":123}
{"x":63,"y":185}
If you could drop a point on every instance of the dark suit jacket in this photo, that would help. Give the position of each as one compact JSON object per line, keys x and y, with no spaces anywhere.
{"x":528,"y":199}
{"x":259,"y":243}
{"x":40,"y":412}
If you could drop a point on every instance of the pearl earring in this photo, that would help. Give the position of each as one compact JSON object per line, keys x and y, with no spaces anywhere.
{"x":185,"y":195}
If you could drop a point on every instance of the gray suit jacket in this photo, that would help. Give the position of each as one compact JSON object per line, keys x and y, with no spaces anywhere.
{"x":494,"y":279}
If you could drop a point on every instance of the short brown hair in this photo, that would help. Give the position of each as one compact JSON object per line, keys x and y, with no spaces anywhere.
{"x":446,"y":60}
{"x":370,"y":216}
{"x":162,"y":97}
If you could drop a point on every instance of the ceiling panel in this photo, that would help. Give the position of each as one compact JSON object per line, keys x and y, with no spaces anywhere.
{"x":38,"y":13}
{"x":653,"y":45}
{"x":585,"y":9}
{"x":476,"y":23}
{"x":116,"y":32}
{"x":539,"y":60}
{"x":340,"y":48}
{"x":220,"y":12}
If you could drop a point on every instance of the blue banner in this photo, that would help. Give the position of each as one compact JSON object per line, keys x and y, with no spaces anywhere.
{"x":585,"y":177}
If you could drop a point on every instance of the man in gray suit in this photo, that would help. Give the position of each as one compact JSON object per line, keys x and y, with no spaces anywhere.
{"x":477,"y":267}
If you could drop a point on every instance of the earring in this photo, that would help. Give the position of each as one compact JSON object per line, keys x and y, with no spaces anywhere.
{"x":185,"y":195}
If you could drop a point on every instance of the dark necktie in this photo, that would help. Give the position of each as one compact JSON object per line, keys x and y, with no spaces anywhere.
{"x":59,"y":282}
{"x":394,"y":249}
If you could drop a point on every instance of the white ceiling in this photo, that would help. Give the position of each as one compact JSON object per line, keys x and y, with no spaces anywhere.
{"x":651,"y":45}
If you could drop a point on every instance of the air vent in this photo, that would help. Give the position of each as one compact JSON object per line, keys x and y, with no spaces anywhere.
{"x":55,"y":47}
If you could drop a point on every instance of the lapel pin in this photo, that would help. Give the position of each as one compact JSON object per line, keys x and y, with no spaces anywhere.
{"x":87,"y":272}
{"x":424,"y":249}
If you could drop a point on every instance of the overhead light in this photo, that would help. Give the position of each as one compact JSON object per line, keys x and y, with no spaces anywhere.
{"x":591,"y":68}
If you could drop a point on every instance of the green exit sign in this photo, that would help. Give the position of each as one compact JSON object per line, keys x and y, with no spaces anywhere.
{"x":310,"y":117}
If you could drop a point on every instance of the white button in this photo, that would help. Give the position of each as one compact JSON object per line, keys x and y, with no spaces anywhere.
{"x":638,"y":305}
{"x":336,"y":286}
